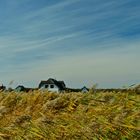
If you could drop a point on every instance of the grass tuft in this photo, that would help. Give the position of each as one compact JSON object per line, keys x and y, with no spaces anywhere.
{"x":94,"y":116}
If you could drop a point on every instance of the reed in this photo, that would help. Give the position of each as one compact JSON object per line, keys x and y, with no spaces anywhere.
{"x":52,"y":116}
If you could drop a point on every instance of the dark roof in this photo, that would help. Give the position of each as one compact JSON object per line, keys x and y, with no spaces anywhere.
{"x":20,"y":88}
{"x":60,"y":84}
{"x":85,"y":88}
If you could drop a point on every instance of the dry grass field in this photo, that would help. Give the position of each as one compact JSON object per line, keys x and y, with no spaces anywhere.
{"x":69,"y":116}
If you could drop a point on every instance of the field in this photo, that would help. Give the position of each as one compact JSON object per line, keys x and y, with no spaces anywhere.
{"x":70,"y":116}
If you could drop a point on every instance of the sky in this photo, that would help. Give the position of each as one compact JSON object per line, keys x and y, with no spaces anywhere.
{"x":82,"y":42}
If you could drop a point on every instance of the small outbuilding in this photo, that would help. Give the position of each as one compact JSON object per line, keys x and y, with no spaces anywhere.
{"x":84,"y":89}
{"x":19,"y":88}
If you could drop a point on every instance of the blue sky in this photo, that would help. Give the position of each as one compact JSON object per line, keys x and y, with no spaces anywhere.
{"x":80,"y":41}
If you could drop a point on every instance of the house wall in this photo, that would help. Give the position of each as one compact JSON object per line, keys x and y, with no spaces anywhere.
{"x":84,"y":90}
{"x":54,"y":89}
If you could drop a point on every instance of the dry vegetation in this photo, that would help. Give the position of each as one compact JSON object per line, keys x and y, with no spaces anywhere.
{"x":69,"y":116}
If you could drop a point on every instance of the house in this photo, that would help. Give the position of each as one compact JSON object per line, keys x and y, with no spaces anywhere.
{"x":21,"y":88}
{"x":84,"y":89}
{"x":52,"y":85}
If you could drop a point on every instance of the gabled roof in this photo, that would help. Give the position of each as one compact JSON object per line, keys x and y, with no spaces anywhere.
{"x":85,"y":88}
{"x":60,"y":84}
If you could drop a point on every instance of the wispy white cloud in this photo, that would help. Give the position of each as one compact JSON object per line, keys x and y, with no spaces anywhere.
{"x":109,"y":68}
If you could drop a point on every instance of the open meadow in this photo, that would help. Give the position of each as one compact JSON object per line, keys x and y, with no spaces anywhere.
{"x":69,"y":116}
